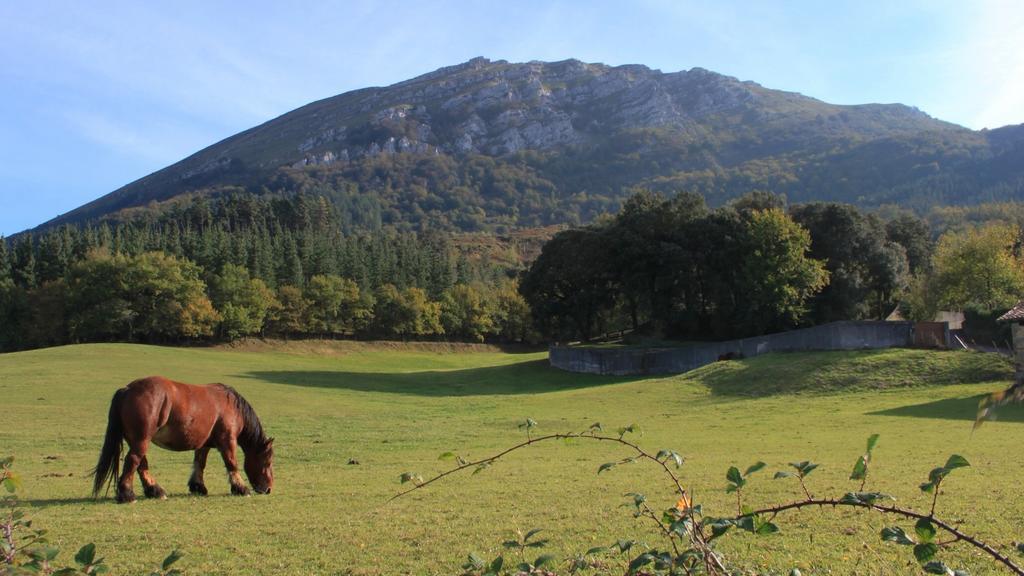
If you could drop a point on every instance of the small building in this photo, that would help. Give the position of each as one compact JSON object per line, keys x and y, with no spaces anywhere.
{"x":1016,"y":316}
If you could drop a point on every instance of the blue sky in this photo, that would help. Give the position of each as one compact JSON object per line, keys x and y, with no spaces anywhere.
{"x":97,"y":94}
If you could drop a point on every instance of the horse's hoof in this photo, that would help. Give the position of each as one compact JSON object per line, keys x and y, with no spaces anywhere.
{"x":155,"y":491}
{"x":241,"y":491}
{"x":197,"y":489}
{"x":126,"y":497}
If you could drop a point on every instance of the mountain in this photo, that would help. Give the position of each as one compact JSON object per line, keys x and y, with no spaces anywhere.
{"x":493,"y":146}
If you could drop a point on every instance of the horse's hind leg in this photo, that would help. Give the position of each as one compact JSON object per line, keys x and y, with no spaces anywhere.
{"x":195,"y":482}
{"x":136,"y":454}
{"x":149,"y":485}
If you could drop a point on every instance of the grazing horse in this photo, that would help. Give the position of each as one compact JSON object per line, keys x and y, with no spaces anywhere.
{"x":182,"y":417}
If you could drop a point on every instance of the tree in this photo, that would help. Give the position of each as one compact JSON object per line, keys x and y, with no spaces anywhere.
{"x":866,"y":272}
{"x":978,"y":269}
{"x":98,"y":300}
{"x":168,"y":297}
{"x":426,"y":314}
{"x":466,"y":314}
{"x":5,"y":260}
{"x":290,"y":315}
{"x":23,"y":266}
{"x":336,"y":305}
{"x":776,"y":274}
{"x":570,"y":284}
{"x":914,"y":235}
{"x":405,"y":313}
{"x":54,"y":255}
{"x":242,"y":302}
{"x":512,"y":319}
{"x":14,"y":315}
{"x":47,"y":324}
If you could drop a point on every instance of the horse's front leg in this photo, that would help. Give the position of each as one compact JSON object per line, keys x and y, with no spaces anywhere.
{"x":149,"y":485}
{"x":227,"y":451}
{"x":196,"y":485}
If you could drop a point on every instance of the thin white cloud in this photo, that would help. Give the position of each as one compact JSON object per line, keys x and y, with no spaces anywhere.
{"x":153,"y":143}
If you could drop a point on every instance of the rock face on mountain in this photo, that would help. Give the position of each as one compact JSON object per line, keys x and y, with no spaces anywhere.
{"x":567,"y":140}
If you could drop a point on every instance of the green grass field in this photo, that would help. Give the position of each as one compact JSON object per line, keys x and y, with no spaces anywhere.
{"x":396,"y":409}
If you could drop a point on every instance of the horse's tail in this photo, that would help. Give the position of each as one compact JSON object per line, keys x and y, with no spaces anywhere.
{"x":106,"y":468}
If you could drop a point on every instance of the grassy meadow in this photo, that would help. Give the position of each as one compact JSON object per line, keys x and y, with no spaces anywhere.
{"x":396,"y":408}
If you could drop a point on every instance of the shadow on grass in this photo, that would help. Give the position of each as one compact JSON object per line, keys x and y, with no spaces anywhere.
{"x":954,"y":409}
{"x":520,"y":378}
{"x":47,"y":502}
{"x":110,"y":501}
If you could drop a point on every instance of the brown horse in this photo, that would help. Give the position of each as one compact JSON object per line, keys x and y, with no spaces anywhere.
{"x":182,"y":417}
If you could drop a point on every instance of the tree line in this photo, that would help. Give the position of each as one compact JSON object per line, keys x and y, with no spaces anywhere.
{"x":235,"y":265}
{"x":239,"y":265}
{"x":672,"y":267}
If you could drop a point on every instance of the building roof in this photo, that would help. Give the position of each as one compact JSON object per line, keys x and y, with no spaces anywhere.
{"x":1015,"y":314}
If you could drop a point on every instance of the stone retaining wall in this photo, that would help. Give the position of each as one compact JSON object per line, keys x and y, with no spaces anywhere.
{"x":858,"y":335}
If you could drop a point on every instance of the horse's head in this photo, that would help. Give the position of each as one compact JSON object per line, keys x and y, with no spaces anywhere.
{"x":259,"y":467}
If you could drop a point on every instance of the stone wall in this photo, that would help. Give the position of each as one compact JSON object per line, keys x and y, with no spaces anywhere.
{"x":858,"y":335}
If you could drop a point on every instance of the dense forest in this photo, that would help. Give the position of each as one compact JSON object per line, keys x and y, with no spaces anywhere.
{"x":204,"y":268}
{"x":241,"y":265}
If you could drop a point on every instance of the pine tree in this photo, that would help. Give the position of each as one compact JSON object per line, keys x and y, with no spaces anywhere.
{"x":5,"y":261}
{"x":23,"y":269}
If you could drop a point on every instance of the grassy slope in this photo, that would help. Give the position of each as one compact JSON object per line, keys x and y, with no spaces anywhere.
{"x":397,"y":410}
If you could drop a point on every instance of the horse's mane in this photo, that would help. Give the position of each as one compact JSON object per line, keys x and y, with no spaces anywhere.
{"x":251,"y":435}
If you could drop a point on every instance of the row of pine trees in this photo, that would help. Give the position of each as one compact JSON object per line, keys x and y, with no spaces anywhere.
{"x":240,"y":265}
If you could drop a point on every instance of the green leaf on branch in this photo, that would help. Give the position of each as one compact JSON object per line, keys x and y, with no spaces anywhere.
{"x":925,"y":530}
{"x":596,"y":550}
{"x":641,"y":560}
{"x":666,"y":455}
{"x":754,"y":468}
{"x":86,"y":554}
{"x":623,"y":545}
{"x":897,"y":535}
{"x":735,"y":479}
{"x":860,"y":469}
{"x":745,"y":523}
{"x":532,"y":533}
{"x":606,"y":466}
{"x":446,"y":456}
{"x":782,"y":474}
{"x":956,"y":461}
{"x":638,"y":499}
{"x":803,"y":469}
{"x":719,"y":526}
{"x":496,"y":564}
{"x":595,"y":427}
{"x":481,"y":467}
{"x":925,"y":551}
{"x":872,"y":442}
{"x":632,"y":429}
{"x":868,"y":498}
{"x":529,"y":424}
